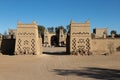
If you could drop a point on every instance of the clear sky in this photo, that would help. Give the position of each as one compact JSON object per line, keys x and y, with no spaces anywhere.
{"x":101,"y":13}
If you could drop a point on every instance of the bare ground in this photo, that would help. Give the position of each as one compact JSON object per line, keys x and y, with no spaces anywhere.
{"x":54,"y":64}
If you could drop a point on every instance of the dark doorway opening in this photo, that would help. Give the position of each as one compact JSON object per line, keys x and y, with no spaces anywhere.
{"x":54,"y":41}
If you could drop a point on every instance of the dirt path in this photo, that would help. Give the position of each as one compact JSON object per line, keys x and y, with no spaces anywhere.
{"x":59,"y":66}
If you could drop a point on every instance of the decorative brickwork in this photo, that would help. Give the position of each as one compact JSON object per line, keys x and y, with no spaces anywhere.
{"x":80,"y":38}
{"x":27,"y":39}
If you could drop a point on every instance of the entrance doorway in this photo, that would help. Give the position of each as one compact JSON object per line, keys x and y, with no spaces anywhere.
{"x":54,"y":41}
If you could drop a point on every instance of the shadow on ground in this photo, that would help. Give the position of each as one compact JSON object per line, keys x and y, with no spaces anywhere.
{"x":55,"y":53}
{"x":91,"y":72}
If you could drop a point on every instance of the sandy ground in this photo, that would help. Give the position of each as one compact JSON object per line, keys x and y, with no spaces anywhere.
{"x":54,"y":65}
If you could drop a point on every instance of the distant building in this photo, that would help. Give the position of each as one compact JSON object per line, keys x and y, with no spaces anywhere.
{"x":54,"y":39}
{"x":49,"y":38}
{"x":62,"y":37}
{"x":99,"y":32}
{"x":12,"y":33}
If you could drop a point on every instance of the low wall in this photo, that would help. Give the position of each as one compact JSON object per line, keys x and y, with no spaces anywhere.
{"x":105,"y":45}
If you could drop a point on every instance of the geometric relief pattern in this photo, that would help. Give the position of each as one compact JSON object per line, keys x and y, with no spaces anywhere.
{"x":81,"y":43}
{"x":87,"y":44}
{"x":25,"y":33}
{"x":26,"y":50}
{"x":26,"y":42}
{"x":81,"y":46}
{"x":74,"y":44}
{"x":19,"y":45}
{"x":80,"y":33}
{"x":33,"y":46}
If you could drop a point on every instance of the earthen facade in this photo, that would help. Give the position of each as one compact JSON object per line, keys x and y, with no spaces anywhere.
{"x":80,"y":38}
{"x":54,"y":39}
{"x":81,"y":42}
{"x":27,"y":39}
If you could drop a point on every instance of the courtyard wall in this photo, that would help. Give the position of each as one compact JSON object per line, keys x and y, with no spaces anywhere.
{"x":105,"y":45}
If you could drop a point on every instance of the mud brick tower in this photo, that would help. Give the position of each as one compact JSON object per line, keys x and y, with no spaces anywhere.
{"x":27,"y":39}
{"x":80,"y":38}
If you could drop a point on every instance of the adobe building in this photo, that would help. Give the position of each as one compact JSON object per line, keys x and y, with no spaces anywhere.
{"x":62,"y":37}
{"x":27,"y":39}
{"x":82,"y":41}
{"x":48,"y":38}
{"x":100,"y":32}
{"x":80,"y":38}
{"x":54,"y":39}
